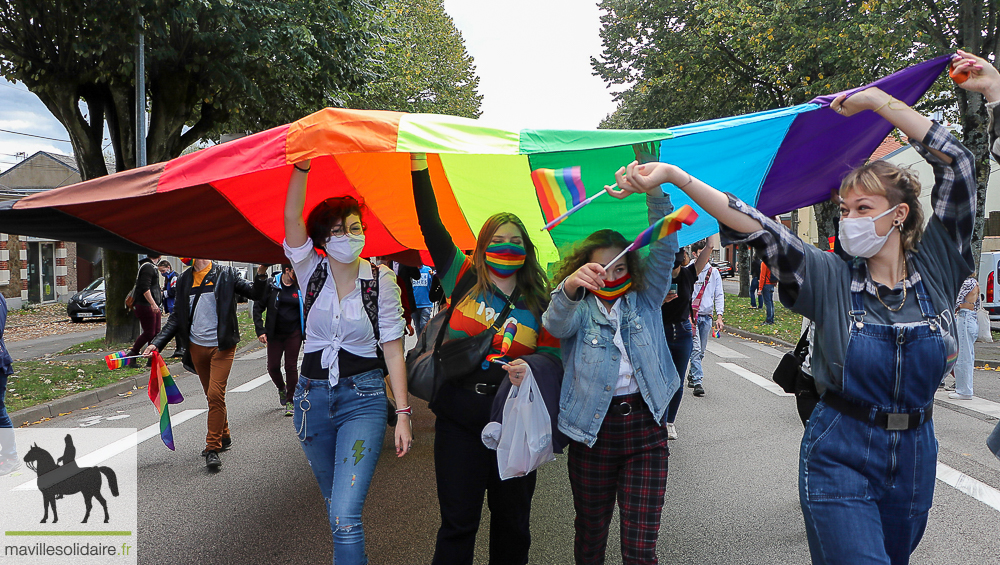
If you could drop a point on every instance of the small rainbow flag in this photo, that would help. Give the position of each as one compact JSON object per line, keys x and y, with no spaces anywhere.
{"x":558,"y":190}
{"x":118,"y":359}
{"x":508,"y":339}
{"x":163,"y":391}
{"x":661,"y":228}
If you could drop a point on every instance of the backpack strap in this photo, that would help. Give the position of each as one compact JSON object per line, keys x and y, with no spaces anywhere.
{"x":369,"y":299}
{"x":316,"y":282}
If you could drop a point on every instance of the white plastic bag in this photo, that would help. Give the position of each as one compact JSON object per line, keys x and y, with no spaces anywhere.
{"x":526,"y":434}
{"x":984,"y":326}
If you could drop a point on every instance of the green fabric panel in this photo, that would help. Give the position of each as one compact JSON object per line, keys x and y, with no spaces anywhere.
{"x":544,"y":140}
{"x":488,"y":184}
{"x":433,"y":133}
{"x":627,"y":216}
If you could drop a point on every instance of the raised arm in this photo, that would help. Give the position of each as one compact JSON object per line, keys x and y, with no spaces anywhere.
{"x":984,"y":79}
{"x":705,"y":254}
{"x":295,"y":201}
{"x":439,"y":242}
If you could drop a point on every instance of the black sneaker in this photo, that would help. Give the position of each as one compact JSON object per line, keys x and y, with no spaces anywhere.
{"x":212,"y":460}
{"x":690,"y":384}
{"x":699,"y":390}
{"x":281,"y":397}
{"x":227,"y":442}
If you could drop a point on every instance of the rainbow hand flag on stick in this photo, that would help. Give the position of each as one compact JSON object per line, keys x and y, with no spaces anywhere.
{"x":560,"y":192}
{"x":508,"y":338}
{"x":163,"y":391}
{"x":663,"y":227}
{"x":118,"y":359}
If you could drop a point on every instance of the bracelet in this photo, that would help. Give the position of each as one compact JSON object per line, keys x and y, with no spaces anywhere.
{"x":405,"y":410}
{"x":889,"y":104}
{"x":690,"y":178}
{"x":298,"y":168}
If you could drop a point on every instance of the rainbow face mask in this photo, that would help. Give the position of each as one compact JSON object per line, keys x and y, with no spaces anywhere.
{"x":187,"y":261}
{"x":504,"y":259}
{"x":613,"y":290}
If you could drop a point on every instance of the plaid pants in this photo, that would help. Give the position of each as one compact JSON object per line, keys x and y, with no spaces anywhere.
{"x":628,"y":462}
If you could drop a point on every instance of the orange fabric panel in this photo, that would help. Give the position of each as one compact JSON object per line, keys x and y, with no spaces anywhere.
{"x":333,"y":131}
{"x":126,"y":184}
{"x":451,"y":214}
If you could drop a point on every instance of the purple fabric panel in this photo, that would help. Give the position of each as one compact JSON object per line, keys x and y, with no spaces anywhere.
{"x":822,"y":146}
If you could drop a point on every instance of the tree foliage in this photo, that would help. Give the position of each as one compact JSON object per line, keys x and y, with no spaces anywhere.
{"x":424,"y":64}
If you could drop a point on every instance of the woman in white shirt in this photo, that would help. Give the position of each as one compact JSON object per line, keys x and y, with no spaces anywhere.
{"x":340,"y":405}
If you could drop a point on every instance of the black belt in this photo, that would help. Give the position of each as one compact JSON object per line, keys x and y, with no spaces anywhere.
{"x":485,"y":389}
{"x":892,"y":421}
{"x":625,"y":405}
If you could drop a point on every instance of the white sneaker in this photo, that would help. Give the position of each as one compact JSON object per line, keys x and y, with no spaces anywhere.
{"x":671,"y":431}
{"x":957,"y":396}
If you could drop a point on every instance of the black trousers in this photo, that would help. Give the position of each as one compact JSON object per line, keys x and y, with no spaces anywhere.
{"x":466,"y":471}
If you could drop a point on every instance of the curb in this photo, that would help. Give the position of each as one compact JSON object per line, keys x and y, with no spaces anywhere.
{"x":62,"y":406}
{"x":759,"y":337}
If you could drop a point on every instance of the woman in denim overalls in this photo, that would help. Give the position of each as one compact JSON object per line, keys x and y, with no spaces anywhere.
{"x":883,"y":333}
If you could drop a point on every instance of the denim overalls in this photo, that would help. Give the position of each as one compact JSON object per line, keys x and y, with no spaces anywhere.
{"x":865,"y":489}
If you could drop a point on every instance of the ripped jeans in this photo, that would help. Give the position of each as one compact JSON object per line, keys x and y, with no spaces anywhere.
{"x":341,"y":431}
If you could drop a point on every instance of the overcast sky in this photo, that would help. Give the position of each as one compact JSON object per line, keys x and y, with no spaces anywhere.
{"x":532,"y":58}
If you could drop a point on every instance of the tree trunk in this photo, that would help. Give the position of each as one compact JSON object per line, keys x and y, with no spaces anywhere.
{"x":826,"y":221}
{"x":743,"y":261}
{"x":120,"y":270}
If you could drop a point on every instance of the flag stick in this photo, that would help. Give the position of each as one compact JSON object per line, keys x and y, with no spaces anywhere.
{"x":562,"y":217}
{"x":619,"y":256}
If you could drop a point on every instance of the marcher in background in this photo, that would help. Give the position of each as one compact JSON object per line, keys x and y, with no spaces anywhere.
{"x":708,"y":296}
{"x":8,"y":447}
{"x":205,"y":319}
{"x":967,"y":324}
{"x":883,"y":338}
{"x":755,"y":281}
{"x":616,"y":386}
{"x":147,"y":297}
{"x":767,"y":293}
{"x":676,"y":313}
{"x":169,"y":285}
{"x":506,"y":276}
{"x":282,"y":331}
{"x":421,"y":297}
{"x":352,"y":311}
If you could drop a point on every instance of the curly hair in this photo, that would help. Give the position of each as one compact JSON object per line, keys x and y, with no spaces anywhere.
{"x":531,"y":280}
{"x":601,"y":239}
{"x":896,"y":184}
{"x":327,"y":213}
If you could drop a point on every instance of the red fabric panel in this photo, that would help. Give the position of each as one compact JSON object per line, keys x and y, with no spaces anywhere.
{"x":160,"y":222}
{"x":260,"y":198}
{"x":126,"y":184}
{"x":258,"y":152}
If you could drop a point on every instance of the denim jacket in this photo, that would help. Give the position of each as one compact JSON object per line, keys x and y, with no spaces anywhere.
{"x":5,"y":361}
{"x":589,"y":355}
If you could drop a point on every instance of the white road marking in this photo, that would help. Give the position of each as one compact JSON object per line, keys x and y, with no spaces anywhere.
{"x":247,"y":387}
{"x":976,"y":404}
{"x":976,"y":489}
{"x":723,"y":351}
{"x":118,"y":417}
{"x":765,"y":348}
{"x":766,"y":384}
{"x":94,"y":458}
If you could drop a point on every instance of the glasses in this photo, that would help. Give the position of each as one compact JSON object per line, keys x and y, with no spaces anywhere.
{"x":355,"y":229}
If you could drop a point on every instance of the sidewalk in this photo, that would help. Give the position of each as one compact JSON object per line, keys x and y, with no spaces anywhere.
{"x":49,"y":345}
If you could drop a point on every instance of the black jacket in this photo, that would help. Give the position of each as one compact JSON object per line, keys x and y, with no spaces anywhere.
{"x":147,"y":279}
{"x":269,"y":308}
{"x":228,"y":284}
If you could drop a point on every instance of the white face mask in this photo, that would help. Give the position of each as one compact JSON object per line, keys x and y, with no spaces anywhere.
{"x":858,"y":235}
{"x":344,"y":248}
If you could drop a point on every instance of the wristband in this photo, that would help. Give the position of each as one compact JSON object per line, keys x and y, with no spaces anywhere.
{"x":298,"y":168}
{"x":405,"y":410}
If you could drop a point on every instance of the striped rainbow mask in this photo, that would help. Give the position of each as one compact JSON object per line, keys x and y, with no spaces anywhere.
{"x":613,"y":290}
{"x":504,"y":259}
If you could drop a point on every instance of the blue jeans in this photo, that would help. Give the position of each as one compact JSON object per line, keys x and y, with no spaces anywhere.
{"x":7,"y":445}
{"x":420,"y":318}
{"x":967,"y":326}
{"x":754,"y":285}
{"x":680,"y":342}
{"x":341,"y":431}
{"x":700,"y":342}
{"x":767,"y":295}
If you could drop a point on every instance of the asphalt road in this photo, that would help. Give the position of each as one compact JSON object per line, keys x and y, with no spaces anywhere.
{"x":731,"y":496}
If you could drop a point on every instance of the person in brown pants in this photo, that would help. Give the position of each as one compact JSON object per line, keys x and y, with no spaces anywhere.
{"x":205,"y":318}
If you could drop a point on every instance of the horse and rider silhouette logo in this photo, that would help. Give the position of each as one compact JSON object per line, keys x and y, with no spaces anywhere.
{"x":56,"y":481}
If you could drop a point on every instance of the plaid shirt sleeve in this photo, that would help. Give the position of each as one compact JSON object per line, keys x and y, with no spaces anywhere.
{"x":780,"y":249}
{"x":954,"y":195}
